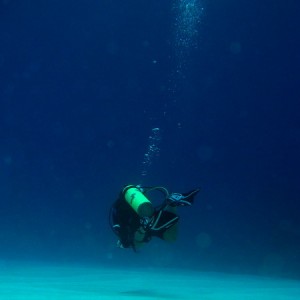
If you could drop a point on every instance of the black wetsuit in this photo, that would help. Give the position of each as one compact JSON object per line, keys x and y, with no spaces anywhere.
{"x":125,"y":222}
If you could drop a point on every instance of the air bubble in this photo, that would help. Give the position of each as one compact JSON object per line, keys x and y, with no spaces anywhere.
{"x":153,"y":150}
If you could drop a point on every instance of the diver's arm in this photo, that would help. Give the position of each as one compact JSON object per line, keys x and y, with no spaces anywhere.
{"x":186,"y":199}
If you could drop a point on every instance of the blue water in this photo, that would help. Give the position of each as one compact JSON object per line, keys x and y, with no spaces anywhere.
{"x":82,"y":85}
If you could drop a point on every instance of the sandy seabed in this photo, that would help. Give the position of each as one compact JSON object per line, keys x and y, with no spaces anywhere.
{"x":37,"y":281}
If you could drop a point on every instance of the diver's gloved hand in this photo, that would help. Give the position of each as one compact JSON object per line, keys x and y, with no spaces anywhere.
{"x":177,"y":199}
{"x":120,"y":245}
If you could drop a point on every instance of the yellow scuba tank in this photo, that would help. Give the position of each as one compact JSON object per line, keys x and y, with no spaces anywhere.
{"x":138,"y":201}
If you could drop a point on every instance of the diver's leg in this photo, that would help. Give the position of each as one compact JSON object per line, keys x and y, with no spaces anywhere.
{"x":170,"y":235}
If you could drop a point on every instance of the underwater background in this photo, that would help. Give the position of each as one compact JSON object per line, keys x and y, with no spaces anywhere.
{"x":84,"y":83}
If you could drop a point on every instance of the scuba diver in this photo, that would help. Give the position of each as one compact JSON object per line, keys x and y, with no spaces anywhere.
{"x":135,"y":220}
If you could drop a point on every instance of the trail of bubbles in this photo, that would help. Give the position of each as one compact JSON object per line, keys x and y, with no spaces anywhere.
{"x":152,"y":150}
{"x":188,"y":15}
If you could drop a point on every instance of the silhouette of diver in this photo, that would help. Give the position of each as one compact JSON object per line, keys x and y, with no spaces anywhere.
{"x":135,"y":220}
